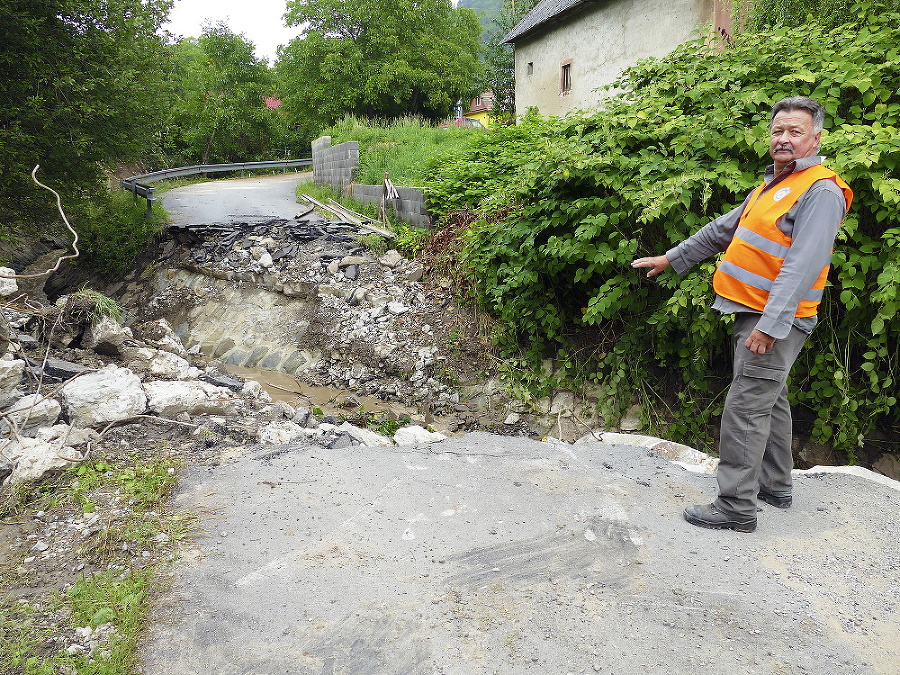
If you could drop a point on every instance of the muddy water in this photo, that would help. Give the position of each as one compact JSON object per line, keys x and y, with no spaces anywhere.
{"x":331,"y":400}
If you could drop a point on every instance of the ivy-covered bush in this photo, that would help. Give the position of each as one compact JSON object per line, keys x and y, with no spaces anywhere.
{"x":685,"y":141}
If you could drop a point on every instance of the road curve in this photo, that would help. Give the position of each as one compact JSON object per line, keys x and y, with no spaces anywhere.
{"x":235,"y":199}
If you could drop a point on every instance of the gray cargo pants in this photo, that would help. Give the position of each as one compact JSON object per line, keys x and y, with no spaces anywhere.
{"x":755,"y":440}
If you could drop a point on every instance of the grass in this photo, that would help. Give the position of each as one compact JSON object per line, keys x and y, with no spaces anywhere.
{"x":399,"y":149}
{"x":119,"y":593}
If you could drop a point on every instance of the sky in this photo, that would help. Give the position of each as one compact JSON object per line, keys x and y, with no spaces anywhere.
{"x":259,"y":20}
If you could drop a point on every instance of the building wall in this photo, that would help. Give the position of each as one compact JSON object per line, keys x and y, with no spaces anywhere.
{"x":598,"y":44}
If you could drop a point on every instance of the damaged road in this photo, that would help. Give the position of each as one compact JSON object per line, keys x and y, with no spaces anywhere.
{"x":492,"y":554}
{"x":484,"y":553}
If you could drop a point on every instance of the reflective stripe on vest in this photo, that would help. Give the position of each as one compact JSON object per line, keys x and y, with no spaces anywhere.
{"x":754,"y":257}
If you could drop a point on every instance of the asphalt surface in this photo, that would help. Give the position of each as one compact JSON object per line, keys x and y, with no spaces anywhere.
{"x":235,"y":200}
{"x":493,"y":554}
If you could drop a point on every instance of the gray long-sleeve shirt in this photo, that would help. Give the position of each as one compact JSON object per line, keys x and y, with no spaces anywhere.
{"x":812,"y":223}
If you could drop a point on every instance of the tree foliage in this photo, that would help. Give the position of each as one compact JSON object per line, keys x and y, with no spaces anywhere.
{"x":80,"y":84}
{"x":220,"y":114}
{"x":685,"y":142}
{"x":377,"y":60}
{"x":500,"y":58}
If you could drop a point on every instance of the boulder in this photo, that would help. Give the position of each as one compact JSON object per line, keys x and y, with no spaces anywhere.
{"x":169,"y":399}
{"x":10,"y":379}
{"x":104,"y":336}
{"x":30,"y":413}
{"x":160,"y":364}
{"x":415,"y":434}
{"x":7,"y":286}
{"x":32,"y":458}
{"x":55,"y":368}
{"x":109,"y":395}
{"x":364,"y":436}
{"x":64,"y":434}
{"x":281,"y":432}
{"x":391,"y":259}
{"x":161,"y":335}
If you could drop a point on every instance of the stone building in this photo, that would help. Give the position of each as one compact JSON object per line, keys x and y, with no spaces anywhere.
{"x":566,"y":49}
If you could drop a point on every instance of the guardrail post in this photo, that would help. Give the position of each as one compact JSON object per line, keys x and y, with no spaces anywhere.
{"x":150,"y":201}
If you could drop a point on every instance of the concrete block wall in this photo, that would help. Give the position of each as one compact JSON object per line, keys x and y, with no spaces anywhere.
{"x":410,"y":207}
{"x":334,"y":165}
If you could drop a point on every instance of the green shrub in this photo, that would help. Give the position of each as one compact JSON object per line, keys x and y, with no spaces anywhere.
{"x":112,"y":228}
{"x":399,"y":149}
{"x":685,"y":142}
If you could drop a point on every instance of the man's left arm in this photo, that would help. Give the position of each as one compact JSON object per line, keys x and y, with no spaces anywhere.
{"x":816,"y":224}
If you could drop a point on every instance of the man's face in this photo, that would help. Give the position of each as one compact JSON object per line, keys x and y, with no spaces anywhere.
{"x":791,"y":137}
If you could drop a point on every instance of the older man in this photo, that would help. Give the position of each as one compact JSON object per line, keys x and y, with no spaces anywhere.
{"x":777,"y":248}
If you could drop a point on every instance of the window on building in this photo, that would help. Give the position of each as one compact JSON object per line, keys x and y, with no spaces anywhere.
{"x":530,"y":69}
{"x":476,"y":102}
{"x":565,"y":80}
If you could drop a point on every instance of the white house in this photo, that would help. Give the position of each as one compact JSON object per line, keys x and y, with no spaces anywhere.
{"x":566,"y":49}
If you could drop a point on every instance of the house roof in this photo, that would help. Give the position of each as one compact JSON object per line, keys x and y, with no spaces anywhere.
{"x":544,"y":12}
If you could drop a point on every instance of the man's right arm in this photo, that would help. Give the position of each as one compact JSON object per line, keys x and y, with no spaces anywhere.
{"x":712,"y":238}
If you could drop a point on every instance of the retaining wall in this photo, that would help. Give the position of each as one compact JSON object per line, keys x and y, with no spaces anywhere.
{"x":334,"y":165}
{"x":410,"y":208}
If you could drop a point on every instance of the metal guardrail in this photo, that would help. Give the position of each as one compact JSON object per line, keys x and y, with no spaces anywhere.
{"x":138,"y":187}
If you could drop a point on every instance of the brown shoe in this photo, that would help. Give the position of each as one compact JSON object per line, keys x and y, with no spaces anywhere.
{"x":707,"y":515}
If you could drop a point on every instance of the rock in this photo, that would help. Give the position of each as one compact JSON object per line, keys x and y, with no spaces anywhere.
{"x":159,"y":364}
{"x":351,"y":272}
{"x":415,"y":434}
{"x":109,"y":395}
{"x":512,"y":418}
{"x":228,"y":381}
{"x":170,"y":399}
{"x":563,"y":402}
{"x":57,"y":368}
{"x":888,"y":465}
{"x":632,"y":419}
{"x":284,"y":408}
{"x":301,"y":416}
{"x":104,"y":336}
{"x":364,"y":437}
{"x":30,"y":413}
{"x":414,"y":272}
{"x":67,"y":434}
{"x":391,"y":259}
{"x":7,"y":286}
{"x":10,"y":379}
{"x":281,"y":432}
{"x":397,"y":308}
{"x":333,"y":267}
{"x":6,"y":468}
{"x":161,"y":335}
{"x":32,"y":459}
{"x":265,"y":260}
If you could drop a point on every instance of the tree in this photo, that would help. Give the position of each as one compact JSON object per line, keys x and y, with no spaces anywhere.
{"x":378,"y":59}
{"x":80,"y":84}
{"x":220,"y":113}
{"x":500,"y":59}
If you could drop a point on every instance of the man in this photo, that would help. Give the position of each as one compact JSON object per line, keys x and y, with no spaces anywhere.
{"x":777,"y":252}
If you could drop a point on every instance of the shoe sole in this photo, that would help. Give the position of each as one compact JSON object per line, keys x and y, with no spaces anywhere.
{"x":777,"y":502}
{"x":735,"y":525}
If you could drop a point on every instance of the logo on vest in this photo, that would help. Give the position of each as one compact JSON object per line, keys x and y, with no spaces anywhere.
{"x":781,"y":194}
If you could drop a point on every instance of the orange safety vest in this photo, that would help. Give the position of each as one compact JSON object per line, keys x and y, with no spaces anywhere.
{"x":754,"y":257}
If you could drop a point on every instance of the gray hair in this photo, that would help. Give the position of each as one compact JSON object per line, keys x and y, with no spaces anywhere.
{"x":801,"y":103}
